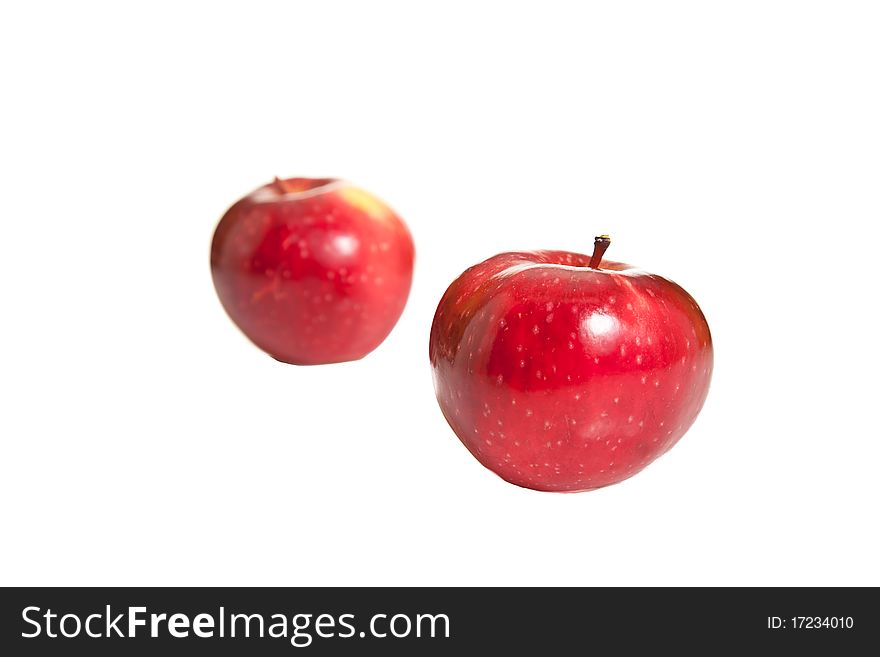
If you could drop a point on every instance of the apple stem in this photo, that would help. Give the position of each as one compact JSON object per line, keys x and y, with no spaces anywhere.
{"x":600,"y":246}
{"x":279,"y":184}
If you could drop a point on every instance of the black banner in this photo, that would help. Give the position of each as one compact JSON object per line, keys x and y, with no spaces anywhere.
{"x":432,"y":621}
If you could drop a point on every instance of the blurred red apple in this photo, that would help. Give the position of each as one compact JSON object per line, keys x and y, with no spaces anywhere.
{"x":312,"y":270}
{"x":564,"y":372}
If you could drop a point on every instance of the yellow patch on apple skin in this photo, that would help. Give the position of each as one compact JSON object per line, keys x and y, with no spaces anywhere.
{"x":365,"y":202}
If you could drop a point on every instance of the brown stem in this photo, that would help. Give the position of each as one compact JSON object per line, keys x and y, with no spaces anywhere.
{"x":279,"y":185}
{"x":600,"y":246}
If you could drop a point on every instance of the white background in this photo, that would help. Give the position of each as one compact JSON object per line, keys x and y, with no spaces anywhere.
{"x":733,"y":147}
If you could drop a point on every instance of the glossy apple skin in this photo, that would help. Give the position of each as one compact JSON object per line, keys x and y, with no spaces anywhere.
{"x":312,"y":270}
{"x":558,"y":377}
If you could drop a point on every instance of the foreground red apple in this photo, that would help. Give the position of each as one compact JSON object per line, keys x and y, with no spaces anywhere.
{"x":564,"y":372}
{"x":312,"y":270}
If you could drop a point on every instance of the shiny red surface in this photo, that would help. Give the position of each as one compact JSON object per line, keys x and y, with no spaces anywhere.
{"x":312,"y":271}
{"x":559,"y":377}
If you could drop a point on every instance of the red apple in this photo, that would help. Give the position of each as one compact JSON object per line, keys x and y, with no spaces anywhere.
{"x":312,"y":270}
{"x":564,"y":372}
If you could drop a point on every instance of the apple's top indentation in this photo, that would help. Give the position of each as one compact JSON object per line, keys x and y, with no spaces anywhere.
{"x":296,"y":185}
{"x":295,"y":188}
